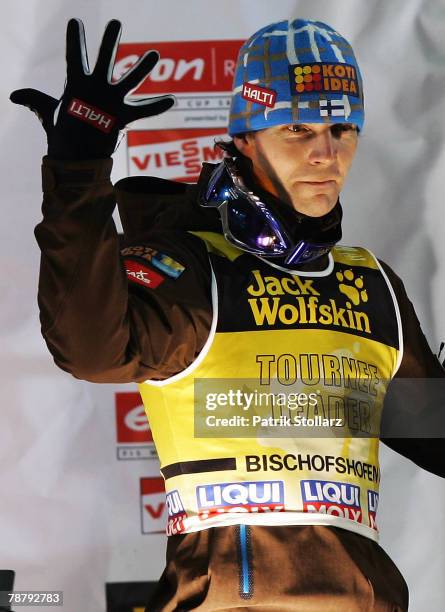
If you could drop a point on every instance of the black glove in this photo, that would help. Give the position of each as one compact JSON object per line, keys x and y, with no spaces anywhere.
{"x":92,"y":108}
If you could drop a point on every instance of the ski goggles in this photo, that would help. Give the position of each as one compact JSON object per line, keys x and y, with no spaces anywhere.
{"x":250,"y":224}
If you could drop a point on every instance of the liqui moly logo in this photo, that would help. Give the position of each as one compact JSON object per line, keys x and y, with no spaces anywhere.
{"x":172,"y":154}
{"x":153,"y":506}
{"x":373,"y":502}
{"x":133,"y":435}
{"x":335,"y":498}
{"x":92,"y":115}
{"x":192,"y":66}
{"x":176,"y":513}
{"x":267,"y":496}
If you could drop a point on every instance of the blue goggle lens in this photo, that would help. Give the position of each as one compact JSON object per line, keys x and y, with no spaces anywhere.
{"x":251,"y":228}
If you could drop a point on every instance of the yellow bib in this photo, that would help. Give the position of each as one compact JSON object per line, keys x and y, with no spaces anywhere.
{"x":277,"y":420}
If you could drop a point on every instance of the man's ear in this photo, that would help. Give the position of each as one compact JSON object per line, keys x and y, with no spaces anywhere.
{"x":243,"y":143}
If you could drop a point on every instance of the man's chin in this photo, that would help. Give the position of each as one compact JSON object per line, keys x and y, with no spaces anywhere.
{"x":317,"y":206}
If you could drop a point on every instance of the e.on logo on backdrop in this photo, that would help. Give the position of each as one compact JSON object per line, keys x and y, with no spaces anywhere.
{"x":198,"y":72}
{"x":133,"y":435}
{"x":183,"y":66}
{"x":154,"y":511}
{"x":172,"y":154}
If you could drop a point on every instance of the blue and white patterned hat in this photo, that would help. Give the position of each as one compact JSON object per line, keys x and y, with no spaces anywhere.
{"x":297,"y":71}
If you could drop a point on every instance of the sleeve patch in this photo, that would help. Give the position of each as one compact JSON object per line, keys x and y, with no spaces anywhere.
{"x":159,"y":260}
{"x":138,"y":273}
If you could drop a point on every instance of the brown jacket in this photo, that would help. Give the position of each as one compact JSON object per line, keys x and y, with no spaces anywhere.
{"x":102,"y":328}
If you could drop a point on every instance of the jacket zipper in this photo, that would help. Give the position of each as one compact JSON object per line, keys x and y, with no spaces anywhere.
{"x":244,"y":537}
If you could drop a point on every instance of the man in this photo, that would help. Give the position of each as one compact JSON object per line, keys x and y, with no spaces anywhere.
{"x":238,"y":279}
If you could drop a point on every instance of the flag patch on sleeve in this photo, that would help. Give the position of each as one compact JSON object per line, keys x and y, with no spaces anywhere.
{"x":159,"y":260}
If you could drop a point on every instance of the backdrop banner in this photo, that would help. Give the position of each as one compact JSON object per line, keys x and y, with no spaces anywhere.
{"x":83,"y":508}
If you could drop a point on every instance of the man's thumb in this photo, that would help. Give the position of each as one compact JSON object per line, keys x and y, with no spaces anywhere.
{"x":40,"y":103}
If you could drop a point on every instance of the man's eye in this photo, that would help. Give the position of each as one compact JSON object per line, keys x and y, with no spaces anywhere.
{"x":340,"y":128}
{"x":298,"y":129}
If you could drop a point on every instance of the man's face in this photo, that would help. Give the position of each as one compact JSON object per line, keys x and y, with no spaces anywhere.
{"x":304,"y":165}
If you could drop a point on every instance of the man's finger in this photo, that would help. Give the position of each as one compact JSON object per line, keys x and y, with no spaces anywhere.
{"x":139,"y":71}
{"x":76,"y":50}
{"x":40,"y":103}
{"x":37,"y":101}
{"x":138,"y":109}
{"x":107,"y":51}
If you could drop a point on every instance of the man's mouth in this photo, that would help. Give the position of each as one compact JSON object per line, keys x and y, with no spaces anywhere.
{"x":319,"y":183}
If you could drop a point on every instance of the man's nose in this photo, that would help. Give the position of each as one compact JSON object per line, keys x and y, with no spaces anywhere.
{"x":323,"y":148}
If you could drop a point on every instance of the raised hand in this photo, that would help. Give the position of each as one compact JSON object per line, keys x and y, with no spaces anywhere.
{"x":92,"y":108}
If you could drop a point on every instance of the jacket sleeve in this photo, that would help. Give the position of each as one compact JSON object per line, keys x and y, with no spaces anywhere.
{"x":98,"y":325}
{"x":416,"y":397}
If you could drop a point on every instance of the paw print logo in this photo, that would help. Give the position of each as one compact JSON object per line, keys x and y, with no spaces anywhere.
{"x":352,"y":287}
